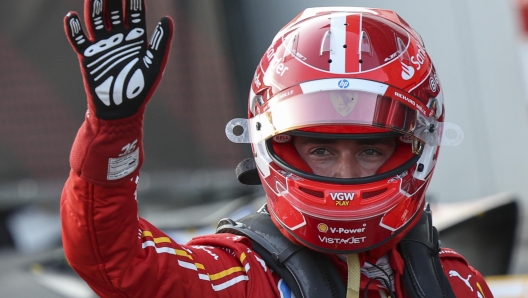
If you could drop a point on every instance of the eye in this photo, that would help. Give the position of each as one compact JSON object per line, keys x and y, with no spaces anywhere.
{"x":370,"y":152}
{"x":319,"y":151}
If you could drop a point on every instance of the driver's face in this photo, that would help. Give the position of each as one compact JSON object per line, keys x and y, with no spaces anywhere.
{"x":344,"y":158}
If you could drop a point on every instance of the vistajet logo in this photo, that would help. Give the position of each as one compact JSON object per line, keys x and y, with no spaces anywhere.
{"x":333,"y":240}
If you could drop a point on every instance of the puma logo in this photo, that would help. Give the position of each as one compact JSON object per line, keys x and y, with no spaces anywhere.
{"x":262,"y":263}
{"x":465,"y":280}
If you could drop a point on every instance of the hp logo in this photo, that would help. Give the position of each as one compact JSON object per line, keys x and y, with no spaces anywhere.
{"x":343,"y":84}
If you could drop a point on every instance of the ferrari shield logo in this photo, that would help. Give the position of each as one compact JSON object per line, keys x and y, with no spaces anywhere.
{"x":344,"y":102}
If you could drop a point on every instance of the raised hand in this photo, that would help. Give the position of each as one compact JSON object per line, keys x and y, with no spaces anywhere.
{"x":120,"y":67}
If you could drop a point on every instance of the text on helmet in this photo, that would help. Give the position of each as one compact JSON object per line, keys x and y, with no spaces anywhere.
{"x":351,"y":240}
{"x":279,"y":67}
{"x":342,"y":196}
{"x":419,"y":59}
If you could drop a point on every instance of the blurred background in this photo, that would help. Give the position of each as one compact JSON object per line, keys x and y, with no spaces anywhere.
{"x":480,"y":189}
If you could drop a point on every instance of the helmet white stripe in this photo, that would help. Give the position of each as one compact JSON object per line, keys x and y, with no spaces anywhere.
{"x":337,"y":40}
{"x":360,"y":42}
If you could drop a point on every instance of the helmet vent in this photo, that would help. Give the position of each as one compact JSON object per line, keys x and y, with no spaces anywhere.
{"x":326,"y":45}
{"x":315,"y":193}
{"x":366,"y":46}
{"x":370,"y":194}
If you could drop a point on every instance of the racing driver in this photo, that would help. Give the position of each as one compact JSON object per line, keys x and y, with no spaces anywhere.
{"x":345,"y":121}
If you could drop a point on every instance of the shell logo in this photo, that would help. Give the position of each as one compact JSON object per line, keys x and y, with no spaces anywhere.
{"x":322,"y":228}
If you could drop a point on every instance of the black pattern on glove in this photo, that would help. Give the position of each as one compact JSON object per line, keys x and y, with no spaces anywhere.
{"x":121,"y":69}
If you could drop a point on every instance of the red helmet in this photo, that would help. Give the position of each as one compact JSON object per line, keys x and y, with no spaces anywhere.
{"x":345,"y":73}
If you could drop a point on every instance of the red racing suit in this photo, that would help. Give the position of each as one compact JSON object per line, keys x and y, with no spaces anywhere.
{"x":119,"y":254}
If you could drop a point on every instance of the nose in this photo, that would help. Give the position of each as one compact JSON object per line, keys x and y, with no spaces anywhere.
{"x":347,"y":167}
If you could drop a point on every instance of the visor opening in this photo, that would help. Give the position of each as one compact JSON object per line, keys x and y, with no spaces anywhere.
{"x":298,"y":167}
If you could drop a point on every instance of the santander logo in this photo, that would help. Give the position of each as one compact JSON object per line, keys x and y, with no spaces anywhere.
{"x":407,"y":71}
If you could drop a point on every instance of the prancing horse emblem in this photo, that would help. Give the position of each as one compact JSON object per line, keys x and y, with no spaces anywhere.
{"x":344,"y":103}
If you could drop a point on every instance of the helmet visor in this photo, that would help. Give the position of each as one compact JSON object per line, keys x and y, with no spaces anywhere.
{"x":368,"y":104}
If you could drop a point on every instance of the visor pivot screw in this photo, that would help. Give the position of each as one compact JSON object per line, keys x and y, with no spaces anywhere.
{"x":420,"y":167}
{"x":259,"y":126}
{"x":431,"y":128}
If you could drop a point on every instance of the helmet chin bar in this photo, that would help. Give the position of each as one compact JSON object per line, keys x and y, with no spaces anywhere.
{"x":290,"y":232}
